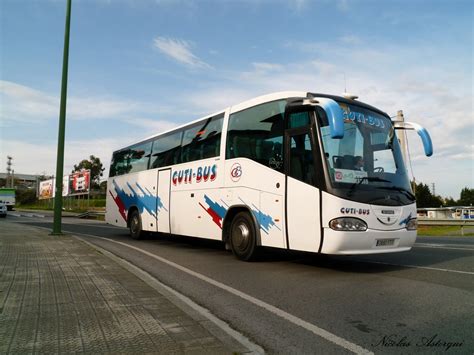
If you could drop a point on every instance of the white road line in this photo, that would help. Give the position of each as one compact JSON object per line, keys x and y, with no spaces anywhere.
{"x":359,"y":260}
{"x":88,"y":224}
{"x":416,"y":267}
{"x":277,"y":311}
{"x":440,"y":246}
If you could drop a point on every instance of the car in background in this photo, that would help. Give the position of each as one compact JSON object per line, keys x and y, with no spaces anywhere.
{"x":3,"y":209}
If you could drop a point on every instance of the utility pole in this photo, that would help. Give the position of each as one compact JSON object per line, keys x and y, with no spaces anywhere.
{"x":58,"y":198}
{"x":433,"y":188}
{"x":9,"y":182}
{"x":402,"y":138}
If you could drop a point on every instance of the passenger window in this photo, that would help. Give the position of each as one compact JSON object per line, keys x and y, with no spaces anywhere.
{"x":301,"y":159}
{"x":131,"y":160}
{"x":257,"y":134}
{"x":202,"y":140}
{"x":166,"y":150}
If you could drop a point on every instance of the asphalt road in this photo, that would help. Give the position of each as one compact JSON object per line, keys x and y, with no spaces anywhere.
{"x":420,"y":301}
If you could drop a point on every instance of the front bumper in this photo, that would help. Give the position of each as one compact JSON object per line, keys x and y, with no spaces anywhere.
{"x":356,"y":243}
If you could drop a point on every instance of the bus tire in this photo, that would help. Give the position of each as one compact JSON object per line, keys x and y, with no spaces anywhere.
{"x":243,"y":238}
{"x":135,"y":225}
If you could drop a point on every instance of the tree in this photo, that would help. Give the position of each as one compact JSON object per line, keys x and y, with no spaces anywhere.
{"x":467,"y":197}
{"x":424,"y":197}
{"x":96,"y":168}
{"x":25,"y":196}
{"x":450,"y":202}
{"x":103,"y":187}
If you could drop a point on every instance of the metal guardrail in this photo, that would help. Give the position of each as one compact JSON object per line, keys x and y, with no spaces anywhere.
{"x":446,"y":222}
{"x":89,"y":214}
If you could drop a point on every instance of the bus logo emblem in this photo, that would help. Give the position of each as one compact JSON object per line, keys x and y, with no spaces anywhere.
{"x":236,"y":172}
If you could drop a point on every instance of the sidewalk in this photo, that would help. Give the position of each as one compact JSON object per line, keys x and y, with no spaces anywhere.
{"x":60,"y":295}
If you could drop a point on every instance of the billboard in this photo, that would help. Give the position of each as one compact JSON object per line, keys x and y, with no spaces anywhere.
{"x":79,"y":183}
{"x":46,"y":189}
{"x":65,"y":185}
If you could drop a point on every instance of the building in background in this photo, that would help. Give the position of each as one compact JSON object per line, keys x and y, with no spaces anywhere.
{"x":20,"y":180}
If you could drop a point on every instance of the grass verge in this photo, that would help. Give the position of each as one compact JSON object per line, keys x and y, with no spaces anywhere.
{"x":443,"y":231}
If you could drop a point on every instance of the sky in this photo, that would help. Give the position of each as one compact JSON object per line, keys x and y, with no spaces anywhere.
{"x":138,"y":67}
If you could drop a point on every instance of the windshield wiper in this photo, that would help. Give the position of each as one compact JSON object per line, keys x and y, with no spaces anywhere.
{"x":400,"y":189}
{"x":368,"y":178}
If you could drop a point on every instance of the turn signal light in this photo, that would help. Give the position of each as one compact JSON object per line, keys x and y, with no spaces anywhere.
{"x":412,"y":224}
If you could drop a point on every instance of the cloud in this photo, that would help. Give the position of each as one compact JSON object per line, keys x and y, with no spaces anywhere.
{"x":75,"y":151}
{"x":179,"y":50}
{"x":325,"y":69}
{"x":153,"y":125}
{"x":99,"y":108}
{"x":384,"y":75}
{"x":351,"y":39}
{"x":343,"y":5}
{"x":438,"y":99}
{"x":298,"y":5}
{"x":21,"y":103}
{"x":267,"y":67}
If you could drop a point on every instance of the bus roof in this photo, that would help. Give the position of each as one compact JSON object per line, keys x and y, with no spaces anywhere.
{"x":258,"y":101}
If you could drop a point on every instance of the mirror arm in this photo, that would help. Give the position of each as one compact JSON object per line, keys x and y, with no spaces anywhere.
{"x":422,"y":132}
{"x":334,"y":113}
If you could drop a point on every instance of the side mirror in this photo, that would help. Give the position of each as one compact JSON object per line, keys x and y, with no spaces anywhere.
{"x":422,"y":132}
{"x":334,"y":113}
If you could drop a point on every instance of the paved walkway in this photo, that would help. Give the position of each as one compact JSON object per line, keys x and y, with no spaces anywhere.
{"x":60,"y":295}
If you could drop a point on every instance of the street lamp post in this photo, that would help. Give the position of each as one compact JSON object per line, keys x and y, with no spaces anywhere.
{"x":58,"y":202}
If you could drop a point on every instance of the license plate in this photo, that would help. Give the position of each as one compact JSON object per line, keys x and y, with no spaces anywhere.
{"x":385,"y":242}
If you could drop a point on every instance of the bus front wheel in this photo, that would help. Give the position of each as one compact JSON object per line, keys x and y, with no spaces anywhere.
{"x":135,"y":224}
{"x":243,"y":241}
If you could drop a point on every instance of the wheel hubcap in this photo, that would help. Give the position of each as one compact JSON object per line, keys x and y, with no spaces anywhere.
{"x":241,"y":233}
{"x":134,"y":224}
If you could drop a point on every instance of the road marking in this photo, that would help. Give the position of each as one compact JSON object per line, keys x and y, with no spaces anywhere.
{"x":441,"y":246}
{"x":359,"y":260}
{"x":277,"y":311}
{"x":416,"y":267}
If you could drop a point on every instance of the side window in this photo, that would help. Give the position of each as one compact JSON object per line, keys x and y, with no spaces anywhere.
{"x":202,"y":140}
{"x":166,"y":150}
{"x":299,"y":119}
{"x":119,"y":164}
{"x":131,"y":160}
{"x":257,"y":134}
{"x":140,"y":156}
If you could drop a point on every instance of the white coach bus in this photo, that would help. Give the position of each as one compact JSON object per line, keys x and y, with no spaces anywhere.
{"x":291,"y":170}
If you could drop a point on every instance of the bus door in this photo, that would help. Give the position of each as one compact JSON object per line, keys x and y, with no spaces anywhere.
{"x":302,"y":205}
{"x":163,"y":201}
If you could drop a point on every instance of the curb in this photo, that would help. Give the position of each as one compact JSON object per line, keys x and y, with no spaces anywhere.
{"x":220,"y":329}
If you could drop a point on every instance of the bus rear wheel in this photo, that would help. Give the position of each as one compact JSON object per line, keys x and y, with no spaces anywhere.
{"x":243,"y":241}
{"x":135,"y":225}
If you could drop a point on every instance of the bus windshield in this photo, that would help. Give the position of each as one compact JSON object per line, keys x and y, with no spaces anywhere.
{"x":366,"y":165}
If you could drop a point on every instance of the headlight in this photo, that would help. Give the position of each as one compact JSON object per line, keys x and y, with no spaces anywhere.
{"x":348,"y":224}
{"x":412,"y":224}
